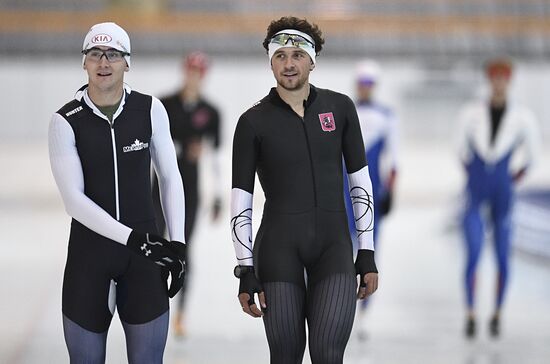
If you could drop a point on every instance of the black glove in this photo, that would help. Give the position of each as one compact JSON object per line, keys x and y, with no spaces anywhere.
{"x":169,"y":255}
{"x":248,"y":281}
{"x":385,"y":204}
{"x":178,"y":267}
{"x":216,"y":208}
{"x":364,"y":263}
{"x":150,"y":246}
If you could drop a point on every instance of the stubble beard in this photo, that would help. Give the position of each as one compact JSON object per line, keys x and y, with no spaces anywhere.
{"x":290,"y":86}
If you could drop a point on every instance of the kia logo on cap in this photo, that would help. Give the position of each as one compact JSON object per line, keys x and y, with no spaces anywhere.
{"x":101,"y":38}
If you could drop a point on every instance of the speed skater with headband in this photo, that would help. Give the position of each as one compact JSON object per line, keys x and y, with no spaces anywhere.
{"x":301,"y":262}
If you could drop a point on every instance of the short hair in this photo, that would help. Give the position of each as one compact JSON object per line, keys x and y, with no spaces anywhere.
{"x":198,"y":60}
{"x":292,"y":22}
{"x":500,"y":65}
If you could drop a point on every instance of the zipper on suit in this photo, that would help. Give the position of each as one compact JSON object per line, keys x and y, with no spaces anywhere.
{"x":115,"y":164}
{"x":310,"y":158}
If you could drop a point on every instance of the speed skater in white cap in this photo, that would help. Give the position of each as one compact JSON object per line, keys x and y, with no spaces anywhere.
{"x":101,"y":147}
{"x":379,"y":128}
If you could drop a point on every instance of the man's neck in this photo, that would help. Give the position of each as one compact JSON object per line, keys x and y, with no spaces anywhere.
{"x":364,"y":101}
{"x":105,"y":97}
{"x":498,"y":100}
{"x":295,"y":98}
{"x":189,"y":95}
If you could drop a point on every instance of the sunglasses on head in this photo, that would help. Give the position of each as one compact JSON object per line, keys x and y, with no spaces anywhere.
{"x":296,"y":40}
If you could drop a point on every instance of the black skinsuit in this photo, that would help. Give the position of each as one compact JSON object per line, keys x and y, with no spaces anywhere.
{"x":93,"y":260}
{"x":304,"y":226}
{"x":189,"y":124}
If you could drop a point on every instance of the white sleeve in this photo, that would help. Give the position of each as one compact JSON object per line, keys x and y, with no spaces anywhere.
{"x":163,"y":155}
{"x":360,"y":190}
{"x":461,"y":135}
{"x":241,"y":225}
{"x":531,"y":138}
{"x":67,"y":171}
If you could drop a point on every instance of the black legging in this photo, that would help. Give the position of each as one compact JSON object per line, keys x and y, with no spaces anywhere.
{"x":145,"y":343}
{"x":329,"y":308}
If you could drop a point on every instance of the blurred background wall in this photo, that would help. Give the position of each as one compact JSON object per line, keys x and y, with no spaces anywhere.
{"x":431,"y":30}
{"x":432,"y":50}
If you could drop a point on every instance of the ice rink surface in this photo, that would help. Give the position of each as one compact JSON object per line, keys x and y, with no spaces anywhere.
{"x":417,"y":315}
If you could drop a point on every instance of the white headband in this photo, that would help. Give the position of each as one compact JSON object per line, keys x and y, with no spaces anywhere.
{"x":309,"y":48}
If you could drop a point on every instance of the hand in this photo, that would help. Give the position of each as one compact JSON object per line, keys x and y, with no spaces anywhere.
{"x":385,"y":204}
{"x":177,"y":269}
{"x":518,"y":176}
{"x":368,"y":286}
{"x":150,"y":246}
{"x":194,"y":149}
{"x":166,"y":254}
{"x":249,"y":285}
{"x":366,"y":268}
{"x":216,"y":208}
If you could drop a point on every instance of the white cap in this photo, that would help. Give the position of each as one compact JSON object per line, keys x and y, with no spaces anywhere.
{"x":368,"y":71}
{"x":109,"y":35}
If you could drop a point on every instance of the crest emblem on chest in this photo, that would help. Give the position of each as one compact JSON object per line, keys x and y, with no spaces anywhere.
{"x":327,"y":121}
{"x":200,"y":118}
